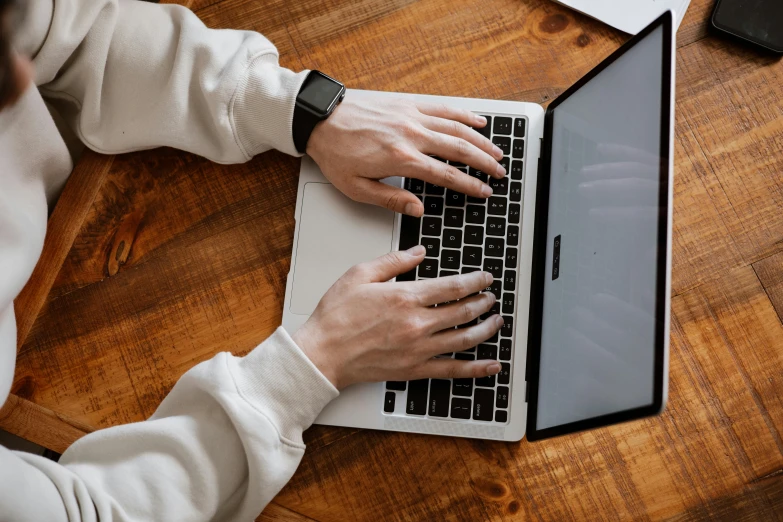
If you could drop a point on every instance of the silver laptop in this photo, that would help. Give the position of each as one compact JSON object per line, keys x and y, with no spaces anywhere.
{"x":578,"y":237}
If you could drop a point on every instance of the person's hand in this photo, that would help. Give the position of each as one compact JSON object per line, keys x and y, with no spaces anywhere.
{"x":369,"y":329}
{"x":365,"y":141}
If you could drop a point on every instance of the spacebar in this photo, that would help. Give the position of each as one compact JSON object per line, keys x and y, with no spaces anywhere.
{"x":409,"y":232}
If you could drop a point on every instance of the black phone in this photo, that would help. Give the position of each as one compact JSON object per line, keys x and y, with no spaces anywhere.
{"x":757,"y":21}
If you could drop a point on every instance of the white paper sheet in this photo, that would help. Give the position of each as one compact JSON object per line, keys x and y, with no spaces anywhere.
{"x":630,"y":16}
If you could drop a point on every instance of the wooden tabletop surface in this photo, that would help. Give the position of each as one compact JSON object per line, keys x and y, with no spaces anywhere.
{"x":178,"y":258}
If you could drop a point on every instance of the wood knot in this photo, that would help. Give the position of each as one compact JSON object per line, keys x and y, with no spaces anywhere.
{"x":513,"y":507}
{"x":554,"y":23}
{"x":583,"y":40}
{"x":123,"y":241}
{"x":24,"y":387}
{"x":491,"y":489}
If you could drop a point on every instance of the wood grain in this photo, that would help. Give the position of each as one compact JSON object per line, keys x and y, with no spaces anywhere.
{"x":178,"y":258}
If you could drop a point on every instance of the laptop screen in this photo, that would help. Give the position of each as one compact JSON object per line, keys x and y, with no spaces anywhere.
{"x":600,"y":350}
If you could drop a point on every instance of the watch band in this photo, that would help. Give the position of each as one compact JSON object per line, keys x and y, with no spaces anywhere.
{"x":303,"y":125}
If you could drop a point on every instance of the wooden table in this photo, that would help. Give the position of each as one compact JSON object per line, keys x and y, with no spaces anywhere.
{"x":174,"y":259}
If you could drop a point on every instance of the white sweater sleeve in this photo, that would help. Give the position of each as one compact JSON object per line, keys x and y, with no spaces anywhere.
{"x":220,"y":446}
{"x":130,"y":75}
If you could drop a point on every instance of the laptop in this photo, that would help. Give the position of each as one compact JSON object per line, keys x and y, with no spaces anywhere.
{"x":577,"y":235}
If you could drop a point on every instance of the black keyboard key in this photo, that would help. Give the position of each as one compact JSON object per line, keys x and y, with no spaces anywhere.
{"x":474,"y":235}
{"x":510,"y":280}
{"x":485,"y":382}
{"x":478,"y":174}
{"x":504,"y":377}
{"x":486,"y":130}
{"x":502,"y":125}
{"x":499,"y":187}
{"x":460,"y":408}
{"x":505,"y":163}
{"x":483,"y":405}
{"x":514,"y":213}
{"x":477,"y":201}
{"x":516,"y":192}
{"x":469,"y":269}
{"x":511,"y":258}
{"x":518,"y":149}
{"x":414,"y":185}
{"x":476,"y":214}
{"x":462,"y":387}
{"x":516,"y":169}
{"x":439,"y":398}
{"x":433,"y":206}
{"x":493,"y":246}
{"x":519,"y":127}
{"x":462,"y":356}
{"x":449,"y":259}
{"x":512,"y":236}
{"x":458,"y":164}
{"x":431,"y":226}
{"x":447,"y":273}
{"x":495,"y":289}
{"x":432,"y":245}
{"x":505,"y":350}
{"x":428,"y":268}
{"x":471,"y":256}
{"x":409,"y":232}
{"x":487,"y":352}
{"x":434,"y":189}
{"x":496,"y":226}
{"x":502,"y":397}
{"x":396,"y":385}
{"x":503,"y":144}
{"x":496,"y":206}
{"x":407,"y":276}
{"x":454,"y":198}
{"x":416,"y":403}
{"x":452,"y":238}
{"x":507,"y":330}
{"x":388,"y":403}
{"x":501,"y":416}
{"x":508,"y":303}
{"x":492,"y":311}
{"x":437,"y":158}
{"x":494,"y":267}
{"x":455,"y":217}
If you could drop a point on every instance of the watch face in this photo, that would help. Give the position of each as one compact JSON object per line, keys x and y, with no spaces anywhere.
{"x":319,"y":92}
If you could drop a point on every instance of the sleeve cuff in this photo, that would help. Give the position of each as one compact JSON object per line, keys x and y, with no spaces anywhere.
{"x":279,"y":380}
{"x":263,"y":108}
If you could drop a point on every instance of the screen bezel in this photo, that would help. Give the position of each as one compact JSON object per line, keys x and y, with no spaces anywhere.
{"x":538,"y":272}
{"x":738,"y":33}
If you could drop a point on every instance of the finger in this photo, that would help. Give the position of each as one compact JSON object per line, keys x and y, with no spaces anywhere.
{"x":462,"y":339}
{"x":461,"y":312}
{"x":452,"y":113}
{"x":443,"y":175}
{"x":460,"y":130}
{"x":457,"y":149}
{"x":451,"y":288}
{"x":393,"y":198}
{"x":388,"y":266}
{"x":456,"y":369}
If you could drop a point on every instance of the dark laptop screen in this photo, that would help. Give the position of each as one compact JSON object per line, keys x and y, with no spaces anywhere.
{"x":600,"y":316}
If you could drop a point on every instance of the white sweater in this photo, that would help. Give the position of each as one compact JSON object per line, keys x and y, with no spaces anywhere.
{"x":126,"y":75}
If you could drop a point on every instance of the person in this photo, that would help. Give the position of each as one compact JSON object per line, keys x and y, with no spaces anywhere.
{"x":125,"y":75}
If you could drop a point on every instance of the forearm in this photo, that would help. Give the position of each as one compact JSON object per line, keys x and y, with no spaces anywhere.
{"x":130,"y":75}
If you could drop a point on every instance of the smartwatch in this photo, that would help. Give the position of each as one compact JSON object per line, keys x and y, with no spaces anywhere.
{"x":317,"y":99}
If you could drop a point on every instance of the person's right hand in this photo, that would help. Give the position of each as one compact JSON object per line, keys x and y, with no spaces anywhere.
{"x":367,"y":328}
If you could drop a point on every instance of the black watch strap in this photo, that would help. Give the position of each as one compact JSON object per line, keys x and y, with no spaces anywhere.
{"x":302,"y":126}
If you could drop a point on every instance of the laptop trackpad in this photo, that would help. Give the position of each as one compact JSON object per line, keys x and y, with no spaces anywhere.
{"x":335,"y":233}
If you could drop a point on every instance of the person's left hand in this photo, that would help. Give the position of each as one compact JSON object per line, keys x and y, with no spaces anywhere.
{"x":365,"y":141}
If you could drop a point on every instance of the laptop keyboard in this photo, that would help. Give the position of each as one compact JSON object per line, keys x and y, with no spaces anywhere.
{"x":464,"y":234}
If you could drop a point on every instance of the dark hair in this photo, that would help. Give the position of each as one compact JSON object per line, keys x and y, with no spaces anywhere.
{"x":6,"y":68}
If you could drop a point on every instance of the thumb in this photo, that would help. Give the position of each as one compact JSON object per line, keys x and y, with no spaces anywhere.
{"x":394,"y":263}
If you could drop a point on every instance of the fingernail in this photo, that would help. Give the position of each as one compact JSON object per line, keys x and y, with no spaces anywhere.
{"x":410,"y":209}
{"x":501,"y":170}
{"x":493,"y":368}
{"x":499,"y":321}
{"x":492,"y":296}
{"x":486,"y":191}
{"x":481,"y":120}
{"x":497,"y":151}
{"x":488,"y":278}
{"x":416,"y":251}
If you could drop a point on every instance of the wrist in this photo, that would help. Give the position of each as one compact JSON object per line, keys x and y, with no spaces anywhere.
{"x":312,"y":345}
